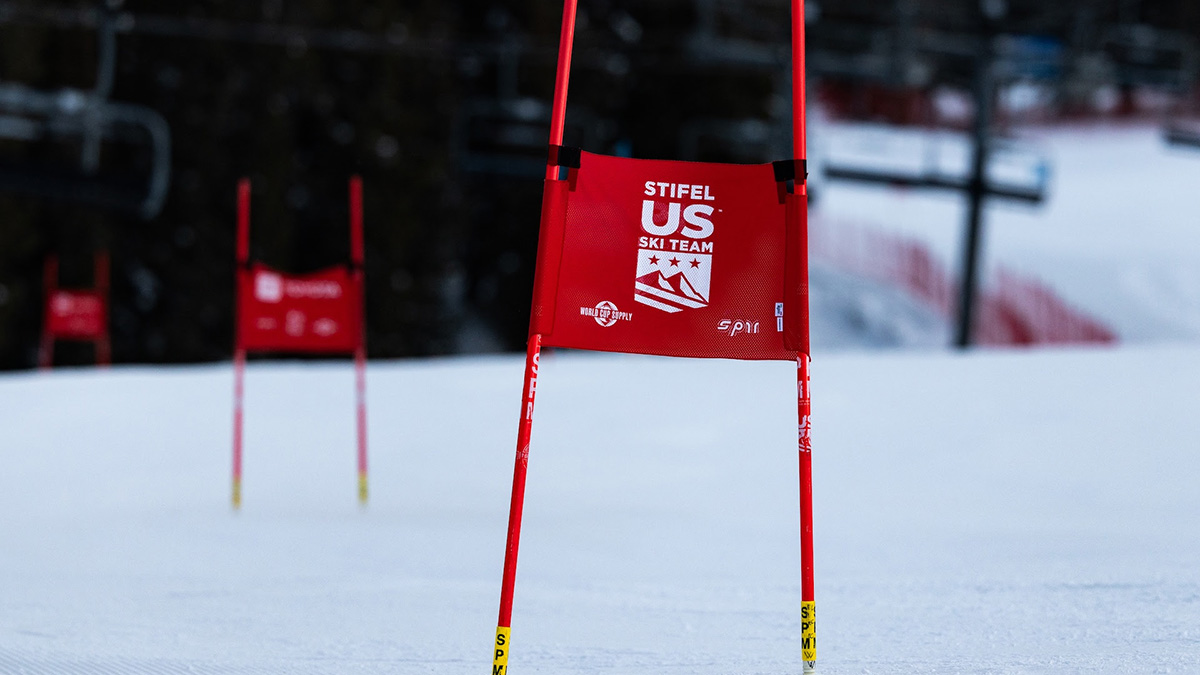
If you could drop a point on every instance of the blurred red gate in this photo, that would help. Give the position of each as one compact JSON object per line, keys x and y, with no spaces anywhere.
{"x":317,"y":313}
{"x":78,"y":314}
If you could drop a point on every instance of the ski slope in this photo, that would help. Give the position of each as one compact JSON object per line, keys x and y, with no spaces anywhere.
{"x":1001,"y":512}
{"x":1118,"y":236}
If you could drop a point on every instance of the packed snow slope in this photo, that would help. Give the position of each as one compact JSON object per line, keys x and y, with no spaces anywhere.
{"x":1002,"y":512}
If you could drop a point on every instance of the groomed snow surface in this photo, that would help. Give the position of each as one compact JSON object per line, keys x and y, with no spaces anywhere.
{"x":1003,"y":512}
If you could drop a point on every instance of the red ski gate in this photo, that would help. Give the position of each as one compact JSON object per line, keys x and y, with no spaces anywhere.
{"x":317,"y":313}
{"x":675,"y":259}
{"x":79,"y":314}
{"x":314,"y":313}
{"x":648,"y":251}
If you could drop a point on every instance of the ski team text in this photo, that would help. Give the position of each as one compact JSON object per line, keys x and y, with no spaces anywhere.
{"x":679,"y":245}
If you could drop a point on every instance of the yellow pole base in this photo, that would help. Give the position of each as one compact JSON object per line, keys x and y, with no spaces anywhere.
{"x":237,"y":494}
{"x":362,"y":489}
{"x":500,"y":655}
{"x":808,"y":635}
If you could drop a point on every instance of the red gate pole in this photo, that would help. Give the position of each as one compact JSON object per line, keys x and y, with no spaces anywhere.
{"x":49,"y":286}
{"x":100,"y":280}
{"x":516,"y":507}
{"x":360,"y":352}
{"x":239,"y":352}
{"x":808,"y":605}
{"x":532,"y":353}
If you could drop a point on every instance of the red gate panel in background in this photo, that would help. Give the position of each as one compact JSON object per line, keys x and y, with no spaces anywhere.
{"x":317,"y":313}
{"x":78,"y":314}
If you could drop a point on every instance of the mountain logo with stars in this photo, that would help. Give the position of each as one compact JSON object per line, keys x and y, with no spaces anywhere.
{"x":672,"y":281}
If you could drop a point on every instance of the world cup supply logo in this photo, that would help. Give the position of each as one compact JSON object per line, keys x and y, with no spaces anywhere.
{"x":674,"y":267}
{"x":606,"y":313}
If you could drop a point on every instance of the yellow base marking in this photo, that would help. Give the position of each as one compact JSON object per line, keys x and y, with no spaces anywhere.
{"x":362,"y":488}
{"x":237,"y":494}
{"x":500,"y":655}
{"x":808,"y":631}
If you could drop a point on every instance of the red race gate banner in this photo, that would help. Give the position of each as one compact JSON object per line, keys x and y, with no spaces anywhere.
{"x":76,"y":313}
{"x":309,"y":313}
{"x":317,"y":313}
{"x":674,"y":259}
{"x":664,"y":257}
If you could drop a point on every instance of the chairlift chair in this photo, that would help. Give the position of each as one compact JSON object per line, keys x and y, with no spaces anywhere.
{"x":67,"y":116}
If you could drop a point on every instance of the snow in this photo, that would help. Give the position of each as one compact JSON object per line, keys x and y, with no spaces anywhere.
{"x":1004,"y":511}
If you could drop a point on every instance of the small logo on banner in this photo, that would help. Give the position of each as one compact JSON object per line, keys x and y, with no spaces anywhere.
{"x":325,"y":327}
{"x":294,"y":322}
{"x":268,"y":287}
{"x":606,"y":313}
{"x":733,"y":328}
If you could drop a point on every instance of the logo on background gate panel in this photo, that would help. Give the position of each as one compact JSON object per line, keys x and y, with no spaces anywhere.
{"x":674,"y":266}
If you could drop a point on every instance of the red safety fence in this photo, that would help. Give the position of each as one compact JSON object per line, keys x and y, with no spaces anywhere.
{"x":1012,"y":309}
{"x":77,"y":314}
{"x":1021,"y":311}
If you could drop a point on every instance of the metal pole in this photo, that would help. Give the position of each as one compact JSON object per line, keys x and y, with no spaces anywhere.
{"x":976,"y":190}
{"x":106,"y":36}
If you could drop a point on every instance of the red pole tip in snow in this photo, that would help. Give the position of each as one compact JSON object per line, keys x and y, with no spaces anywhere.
{"x":360,"y":394}
{"x":239,"y":375}
{"x":356,"y":218}
{"x":243,"y":221}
